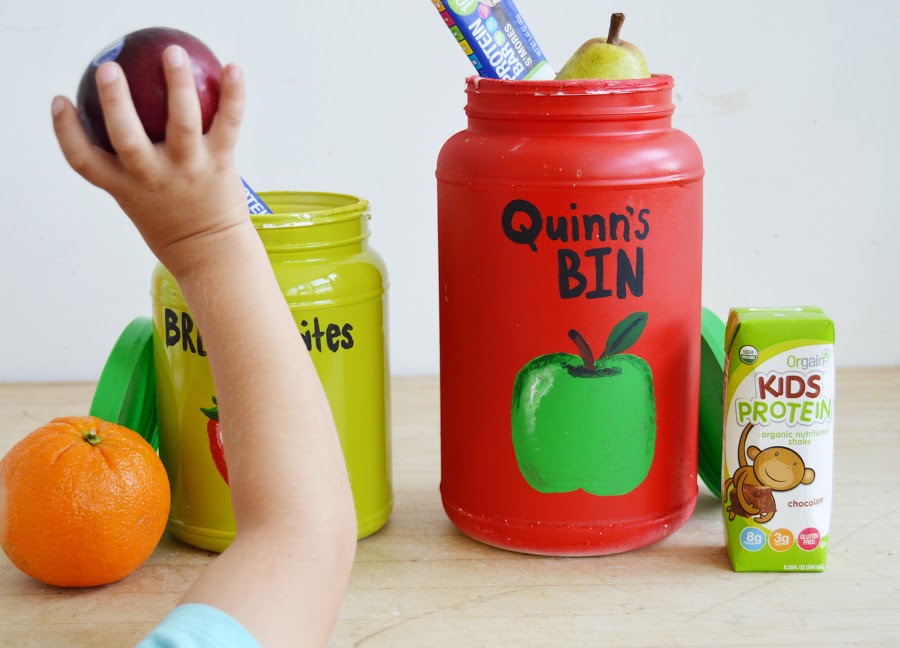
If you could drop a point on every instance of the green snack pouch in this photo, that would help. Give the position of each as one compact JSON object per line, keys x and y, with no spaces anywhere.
{"x":778,"y":438}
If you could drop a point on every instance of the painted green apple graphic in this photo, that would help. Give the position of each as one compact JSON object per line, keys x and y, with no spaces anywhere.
{"x":583,"y":424}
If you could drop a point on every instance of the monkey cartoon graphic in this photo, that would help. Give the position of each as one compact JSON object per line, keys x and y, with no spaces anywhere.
{"x":773,"y":469}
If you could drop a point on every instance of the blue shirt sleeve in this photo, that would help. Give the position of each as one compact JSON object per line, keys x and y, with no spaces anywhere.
{"x":195,"y":625}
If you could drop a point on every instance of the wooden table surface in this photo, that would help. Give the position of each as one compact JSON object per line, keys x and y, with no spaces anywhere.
{"x":418,"y":582}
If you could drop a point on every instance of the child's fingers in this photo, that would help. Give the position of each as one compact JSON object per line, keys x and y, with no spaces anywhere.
{"x":96,"y":166}
{"x":226,"y":126}
{"x":126,"y":133}
{"x":184,"y":128}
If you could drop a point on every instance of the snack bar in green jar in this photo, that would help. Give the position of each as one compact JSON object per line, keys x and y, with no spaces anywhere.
{"x":335,"y":285}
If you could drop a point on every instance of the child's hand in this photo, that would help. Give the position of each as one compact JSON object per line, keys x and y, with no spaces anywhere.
{"x":183,"y":194}
{"x":284,"y":576}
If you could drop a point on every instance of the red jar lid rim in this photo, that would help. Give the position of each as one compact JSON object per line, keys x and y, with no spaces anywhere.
{"x":481,"y":85}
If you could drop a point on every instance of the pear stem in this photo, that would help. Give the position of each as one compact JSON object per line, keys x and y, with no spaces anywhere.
{"x":615,"y":26}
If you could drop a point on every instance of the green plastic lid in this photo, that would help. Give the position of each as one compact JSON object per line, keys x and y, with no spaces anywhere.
{"x":126,"y":392}
{"x":712,"y":379}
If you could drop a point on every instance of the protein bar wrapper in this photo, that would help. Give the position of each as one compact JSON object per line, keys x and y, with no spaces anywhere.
{"x":255,"y":204}
{"x":778,"y":438}
{"x":495,"y":37}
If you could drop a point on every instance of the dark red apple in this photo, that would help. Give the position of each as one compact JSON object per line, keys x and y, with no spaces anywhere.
{"x":140,"y":55}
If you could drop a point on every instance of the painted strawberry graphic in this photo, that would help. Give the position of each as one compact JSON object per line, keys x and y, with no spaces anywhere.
{"x":215,"y":438}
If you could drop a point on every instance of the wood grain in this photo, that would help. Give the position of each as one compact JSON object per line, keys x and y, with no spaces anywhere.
{"x":418,"y":582}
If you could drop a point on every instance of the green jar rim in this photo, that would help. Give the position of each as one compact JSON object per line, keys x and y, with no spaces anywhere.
{"x":308,"y":208}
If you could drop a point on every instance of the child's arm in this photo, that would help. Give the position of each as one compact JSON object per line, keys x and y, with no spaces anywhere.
{"x":285,"y":574}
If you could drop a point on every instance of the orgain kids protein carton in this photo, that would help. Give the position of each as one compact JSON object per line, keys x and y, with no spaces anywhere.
{"x":778,"y":446}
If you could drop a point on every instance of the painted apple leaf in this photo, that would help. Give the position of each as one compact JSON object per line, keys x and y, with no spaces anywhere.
{"x":625,"y":334}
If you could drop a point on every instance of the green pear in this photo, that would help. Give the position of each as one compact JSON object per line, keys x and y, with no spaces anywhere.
{"x":606,"y":58}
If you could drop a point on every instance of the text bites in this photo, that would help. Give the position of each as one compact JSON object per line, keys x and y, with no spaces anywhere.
{"x":317,"y":335}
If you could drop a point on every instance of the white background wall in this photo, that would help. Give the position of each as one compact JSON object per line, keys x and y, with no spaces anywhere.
{"x":795,"y":106}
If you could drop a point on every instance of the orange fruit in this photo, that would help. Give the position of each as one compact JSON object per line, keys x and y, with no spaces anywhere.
{"x":83,"y":502}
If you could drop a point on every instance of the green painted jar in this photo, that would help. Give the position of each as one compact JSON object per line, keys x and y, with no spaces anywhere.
{"x":336,"y":286}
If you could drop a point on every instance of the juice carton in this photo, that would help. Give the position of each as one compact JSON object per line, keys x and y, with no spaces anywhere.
{"x":778,"y":438}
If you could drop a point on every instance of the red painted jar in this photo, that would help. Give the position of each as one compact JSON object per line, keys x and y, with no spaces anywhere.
{"x":570,"y":235}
